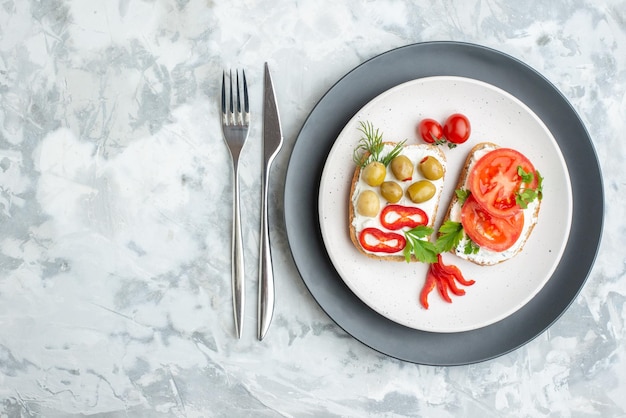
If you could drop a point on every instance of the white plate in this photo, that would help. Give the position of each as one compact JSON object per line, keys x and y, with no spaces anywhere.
{"x":392,"y":288}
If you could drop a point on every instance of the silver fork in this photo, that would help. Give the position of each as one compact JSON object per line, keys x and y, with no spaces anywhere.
{"x":235,"y":127}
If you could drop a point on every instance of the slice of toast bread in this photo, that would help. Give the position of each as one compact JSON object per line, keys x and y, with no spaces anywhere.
{"x":358,"y":222}
{"x":486,"y":257}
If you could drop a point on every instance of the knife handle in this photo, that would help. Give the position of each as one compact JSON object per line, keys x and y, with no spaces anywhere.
{"x":266,"y":273}
{"x":238,"y":286}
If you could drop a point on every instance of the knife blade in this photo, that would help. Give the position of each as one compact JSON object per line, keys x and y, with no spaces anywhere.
{"x":272,"y":142}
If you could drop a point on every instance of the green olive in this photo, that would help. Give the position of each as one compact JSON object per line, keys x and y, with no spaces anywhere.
{"x":374,"y":173}
{"x":368,"y":203}
{"x":431,"y":168}
{"x":391,"y":191}
{"x":421,"y":191}
{"x":402,"y":167}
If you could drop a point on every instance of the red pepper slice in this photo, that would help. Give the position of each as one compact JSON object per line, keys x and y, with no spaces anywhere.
{"x":455,"y":272}
{"x":442,"y":287}
{"x":395,"y":217}
{"x":431,"y":282}
{"x":452,"y":285}
{"x":439,"y":272}
{"x":377,"y":241}
{"x":444,"y":277}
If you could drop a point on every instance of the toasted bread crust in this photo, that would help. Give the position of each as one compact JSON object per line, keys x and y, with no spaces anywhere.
{"x":531,"y":215}
{"x":352,"y":210}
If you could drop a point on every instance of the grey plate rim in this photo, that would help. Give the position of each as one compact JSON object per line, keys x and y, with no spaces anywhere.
{"x":308,"y":157}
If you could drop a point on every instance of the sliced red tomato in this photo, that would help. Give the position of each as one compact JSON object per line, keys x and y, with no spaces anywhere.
{"x":395,"y":217}
{"x":457,"y":128}
{"x":494,"y":181}
{"x":488,"y":231}
{"x":377,"y":241}
{"x":431,"y":131}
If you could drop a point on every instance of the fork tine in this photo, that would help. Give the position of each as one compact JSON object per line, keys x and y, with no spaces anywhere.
{"x":232,"y":112}
{"x":238,"y":98}
{"x":246,"y":103}
{"x":238,"y":116}
{"x":224,"y":97}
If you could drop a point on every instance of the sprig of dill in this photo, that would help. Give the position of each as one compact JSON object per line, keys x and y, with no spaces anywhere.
{"x":371,"y":145}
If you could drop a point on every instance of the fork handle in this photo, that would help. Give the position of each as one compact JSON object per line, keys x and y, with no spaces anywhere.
{"x":238,"y":287}
{"x":266,"y":273}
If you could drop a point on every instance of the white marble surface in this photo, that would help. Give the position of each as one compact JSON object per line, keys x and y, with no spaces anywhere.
{"x":115,"y":211}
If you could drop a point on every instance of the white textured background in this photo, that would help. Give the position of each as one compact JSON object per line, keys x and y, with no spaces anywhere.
{"x":115,"y":211}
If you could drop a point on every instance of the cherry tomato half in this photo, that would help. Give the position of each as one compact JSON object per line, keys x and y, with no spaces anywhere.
{"x":492,"y":232}
{"x":430,"y":131}
{"x":377,"y":241}
{"x":395,"y":217}
{"x":457,"y":128}
{"x":494,"y":181}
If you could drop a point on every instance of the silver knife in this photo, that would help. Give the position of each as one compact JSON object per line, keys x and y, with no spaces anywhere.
{"x":272,"y":142}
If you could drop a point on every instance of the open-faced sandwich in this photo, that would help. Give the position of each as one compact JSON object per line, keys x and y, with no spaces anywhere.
{"x":395,"y":194}
{"x":394,"y":197}
{"x":495,"y":205}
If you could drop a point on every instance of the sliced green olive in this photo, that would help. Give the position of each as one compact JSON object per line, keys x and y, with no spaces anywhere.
{"x":402,"y":168}
{"x":431,"y":168}
{"x":421,"y":191}
{"x":368,"y":204}
{"x":374,"y":173}
{"x":391,"y":191}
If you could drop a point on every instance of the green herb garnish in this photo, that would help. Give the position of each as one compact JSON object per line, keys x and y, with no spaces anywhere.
{"x":526,"y":177}
{"x":524,"y":196}
{"x":371,"y":146}
{"x":439,"y":141}
{"x":462,"y":195}
{"x":539,"y":186}
{"x":470,"y":247}
{"x":424,"y":251}
{"x":450,"y":235}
